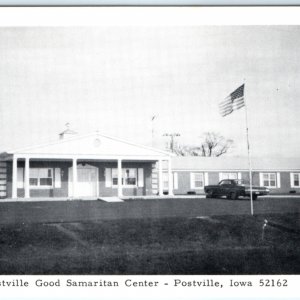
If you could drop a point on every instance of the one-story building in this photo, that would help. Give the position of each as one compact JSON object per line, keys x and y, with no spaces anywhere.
{"x":95,"y":165}
{"x":192,"y":173}
{"x":84,"y":166}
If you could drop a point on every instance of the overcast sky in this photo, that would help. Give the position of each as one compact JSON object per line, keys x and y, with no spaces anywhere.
{"x":114,"y":79}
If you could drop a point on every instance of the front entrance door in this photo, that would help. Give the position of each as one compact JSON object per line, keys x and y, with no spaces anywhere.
{"x":87,"y":181}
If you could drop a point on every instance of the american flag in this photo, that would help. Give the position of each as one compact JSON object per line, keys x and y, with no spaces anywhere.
{"x":232,"y":102}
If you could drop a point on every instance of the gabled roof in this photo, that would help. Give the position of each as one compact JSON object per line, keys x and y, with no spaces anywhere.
{"x":91,"y":144}
{"x":228,"y":163}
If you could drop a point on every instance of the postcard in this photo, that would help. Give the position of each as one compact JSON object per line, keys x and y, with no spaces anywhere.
{"x":149,"y":152}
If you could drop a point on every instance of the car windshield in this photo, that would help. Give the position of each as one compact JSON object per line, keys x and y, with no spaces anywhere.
{"x":241,"y":182}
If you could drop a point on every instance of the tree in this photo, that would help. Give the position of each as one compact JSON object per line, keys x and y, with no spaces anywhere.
{"x":181,"y":150}
{"x":212,"y":144}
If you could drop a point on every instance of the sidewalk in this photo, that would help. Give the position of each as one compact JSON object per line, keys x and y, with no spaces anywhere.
{"x":106,"y":199}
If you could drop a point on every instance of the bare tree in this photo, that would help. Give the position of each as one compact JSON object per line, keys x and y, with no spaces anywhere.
{"x":181,"y":150}
{"x":212,"y":144}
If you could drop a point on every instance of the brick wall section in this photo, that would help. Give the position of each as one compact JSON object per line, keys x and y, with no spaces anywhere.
{"x":135,"y":191}
{"x":53,"y":192}
{"x":213,"y":178}
{"x":150,"y":180}
{"x":64,"y":166}
{"x":184,"y":184}
{"x":154,"y":178}
{"x":3,"y":175}
{"x":285,"y":184}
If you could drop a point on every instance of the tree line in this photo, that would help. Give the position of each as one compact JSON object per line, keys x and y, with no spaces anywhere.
{"x":211,"y":144}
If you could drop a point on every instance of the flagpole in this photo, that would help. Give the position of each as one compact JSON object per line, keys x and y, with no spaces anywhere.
{"x":249,"y":153}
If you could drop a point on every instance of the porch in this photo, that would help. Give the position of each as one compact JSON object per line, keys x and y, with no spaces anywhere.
{"x":84,"y":177}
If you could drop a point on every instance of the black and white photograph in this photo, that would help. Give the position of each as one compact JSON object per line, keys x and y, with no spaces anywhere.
{"x":150,"y":150}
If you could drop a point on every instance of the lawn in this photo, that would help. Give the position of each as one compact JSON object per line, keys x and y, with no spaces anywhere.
{"x":177,"y":245}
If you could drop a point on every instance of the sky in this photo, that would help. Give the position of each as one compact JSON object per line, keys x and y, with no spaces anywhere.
{"x":114,"y":79}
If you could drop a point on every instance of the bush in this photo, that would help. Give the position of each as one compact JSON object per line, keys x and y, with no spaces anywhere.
{"x":191,"y":193}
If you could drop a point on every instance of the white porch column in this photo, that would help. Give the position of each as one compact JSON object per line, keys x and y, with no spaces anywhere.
{"x":120,"y":192}
{"x":160,"y":178}
{"x":26,"y":178}
{"x":14,"y":177}
{"x":170,"y":175}
{"x":74,"y":177}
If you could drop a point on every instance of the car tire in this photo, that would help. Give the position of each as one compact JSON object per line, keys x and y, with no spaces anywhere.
{"x":210,"y":194}
{"x":234,"y":196}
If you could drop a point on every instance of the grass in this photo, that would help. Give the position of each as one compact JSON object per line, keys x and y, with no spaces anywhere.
{"x":179,"y":245}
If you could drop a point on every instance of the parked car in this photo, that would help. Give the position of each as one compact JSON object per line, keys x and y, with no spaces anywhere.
{"x":232,"y":189}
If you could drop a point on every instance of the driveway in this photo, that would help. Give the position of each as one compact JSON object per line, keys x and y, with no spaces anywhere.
{"x":85,"y":211}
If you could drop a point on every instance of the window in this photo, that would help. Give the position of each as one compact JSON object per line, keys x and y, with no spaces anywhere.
{"x":20,"y":178}
{"x":40,"y":177}
{"x":269,"y":179}
{"x":225,"y":182}
{"x":295,"y":179}
{"x":165,"y":181}
{"x":197,"y":180}
{"x":228,"y":176}
{"x":129,"y":177}
{"x":114,"y":176}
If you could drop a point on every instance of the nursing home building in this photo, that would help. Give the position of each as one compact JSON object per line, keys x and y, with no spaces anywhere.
{"x":88,"y":166}
{"x":94,"y":166}
{"x":279,"y":175}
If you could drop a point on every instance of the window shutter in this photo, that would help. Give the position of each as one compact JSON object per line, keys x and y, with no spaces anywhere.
{"x":278,"y":180}
{"x":57,"y":178}
{"x":192,"y":178}
{"x":261,"y":179}
{"x":292,"y":180}
{"x":20,"y":178}
{"x":206,"y":182}
{"x":140,"y":177}
{"x":220,"y":176}
{"x":107,"y":177}
{"x":175,"y":181}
